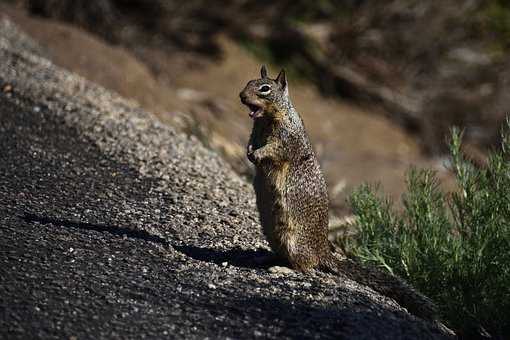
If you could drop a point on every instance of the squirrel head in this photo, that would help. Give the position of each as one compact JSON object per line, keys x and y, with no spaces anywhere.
{"x":266,"y":97}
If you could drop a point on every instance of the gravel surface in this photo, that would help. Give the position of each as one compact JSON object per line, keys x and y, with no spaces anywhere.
{"x":113,"y":225}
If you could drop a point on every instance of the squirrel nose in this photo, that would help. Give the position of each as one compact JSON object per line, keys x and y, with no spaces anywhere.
{"x":242,"y":95}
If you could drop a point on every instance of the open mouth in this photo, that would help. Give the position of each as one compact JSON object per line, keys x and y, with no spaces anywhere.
{"x":255,"y":110}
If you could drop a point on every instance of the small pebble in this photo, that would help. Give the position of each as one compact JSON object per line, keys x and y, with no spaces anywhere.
{"x":280,"y":270}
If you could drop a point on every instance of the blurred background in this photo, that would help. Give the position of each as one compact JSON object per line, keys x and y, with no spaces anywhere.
{"x":378,"y":83}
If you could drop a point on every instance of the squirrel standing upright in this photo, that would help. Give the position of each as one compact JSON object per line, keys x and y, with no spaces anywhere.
{"x":292,"y":196}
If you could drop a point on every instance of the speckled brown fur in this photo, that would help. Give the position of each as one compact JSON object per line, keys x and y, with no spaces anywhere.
{"x":292,"y":197}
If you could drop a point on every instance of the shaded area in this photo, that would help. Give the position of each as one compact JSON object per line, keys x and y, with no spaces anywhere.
{"x":166,"y":23}
{"x":260,"y":258}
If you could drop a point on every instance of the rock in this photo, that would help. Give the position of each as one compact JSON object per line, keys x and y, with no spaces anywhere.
{"x":280,"y":270}
{"x":148,"y":245}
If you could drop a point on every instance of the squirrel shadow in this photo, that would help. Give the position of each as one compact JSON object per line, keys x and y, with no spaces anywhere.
{"x":110,"y":229}
{"x":237,"y":257}
{"x":253,"y":259}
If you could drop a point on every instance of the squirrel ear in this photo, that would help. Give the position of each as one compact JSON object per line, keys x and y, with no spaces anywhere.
{"x":282,"y":79}
{"x":263,"y":71}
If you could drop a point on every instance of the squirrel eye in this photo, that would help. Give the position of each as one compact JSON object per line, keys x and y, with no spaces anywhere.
{"x":265,"y":88}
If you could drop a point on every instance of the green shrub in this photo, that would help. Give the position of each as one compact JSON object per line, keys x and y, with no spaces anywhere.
{"x":453,"y":247}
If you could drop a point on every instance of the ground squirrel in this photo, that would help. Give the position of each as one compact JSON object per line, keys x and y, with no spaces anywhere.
{"x":292,"y":196}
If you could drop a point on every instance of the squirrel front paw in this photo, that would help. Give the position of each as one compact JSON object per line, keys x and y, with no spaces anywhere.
{"x":250,"y":153}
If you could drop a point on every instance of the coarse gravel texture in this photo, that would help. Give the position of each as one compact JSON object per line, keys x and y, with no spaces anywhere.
{"x":113,"y":225}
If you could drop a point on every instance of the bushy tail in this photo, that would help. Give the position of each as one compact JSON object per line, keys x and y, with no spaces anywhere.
{"x":385,"y":284}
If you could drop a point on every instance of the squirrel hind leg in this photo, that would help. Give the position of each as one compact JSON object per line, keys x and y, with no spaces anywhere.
{"x":303,"y":263}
